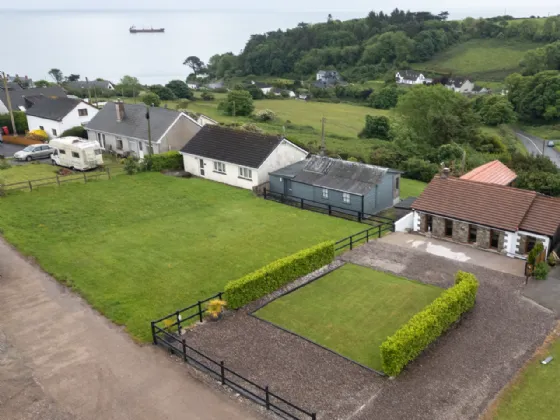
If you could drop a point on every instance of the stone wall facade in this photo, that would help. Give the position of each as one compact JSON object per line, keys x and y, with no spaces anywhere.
{"x":501,"y":242}
{"x":522,"y":245}
{"x":482,"y":237}
{"x":438,"y":227}
{"x":460,"y":231}
{"x":423,"y":223}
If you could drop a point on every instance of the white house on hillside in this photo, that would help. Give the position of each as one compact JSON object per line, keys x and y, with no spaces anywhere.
{"x":411,"y":77}
{"x":238,"y":157}
{"x":55,"y":115}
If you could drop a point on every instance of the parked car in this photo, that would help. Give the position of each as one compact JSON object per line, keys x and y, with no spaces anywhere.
{"x":34,"y":151}
{"x":550,"y":143}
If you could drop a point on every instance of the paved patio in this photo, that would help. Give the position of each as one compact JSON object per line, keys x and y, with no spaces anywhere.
{"x":457,"y":252}
{"x":546,"y":292}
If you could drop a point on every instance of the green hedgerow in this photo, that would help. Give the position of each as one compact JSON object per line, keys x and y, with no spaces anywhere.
{"x":275,"y":275}
{"x":427,"y":325}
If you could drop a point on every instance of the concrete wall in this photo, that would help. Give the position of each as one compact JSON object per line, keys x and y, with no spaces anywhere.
{"x":405,"y":224}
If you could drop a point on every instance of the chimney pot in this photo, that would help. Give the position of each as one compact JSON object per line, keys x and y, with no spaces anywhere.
{"x":119,"y":105}
{"x":445,"y":173}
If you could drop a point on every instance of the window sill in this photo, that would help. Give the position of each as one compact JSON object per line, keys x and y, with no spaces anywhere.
{"x":246,"y":179}
{"x":221,"y":173}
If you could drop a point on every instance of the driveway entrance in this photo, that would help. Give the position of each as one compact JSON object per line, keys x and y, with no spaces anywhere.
{"x":458,"y":252}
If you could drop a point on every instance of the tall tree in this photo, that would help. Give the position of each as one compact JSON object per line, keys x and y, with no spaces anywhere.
{"x":129,"y":81}
{"x":195,"y":63}
{"x":73,"y":78}
{"x":57,"y":75}
{"x":150,"y":98}
{"x":238,"y":102}
{"x":180,"y":89}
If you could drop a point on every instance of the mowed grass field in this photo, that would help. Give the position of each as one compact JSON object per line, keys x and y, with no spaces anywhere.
{"x":351,"y":310}
{"x":411,"y":187}
{"x":481,"y":59}
{"x":26,"y":172}
{"x":534,"y":394}
{"x":139,"y":247}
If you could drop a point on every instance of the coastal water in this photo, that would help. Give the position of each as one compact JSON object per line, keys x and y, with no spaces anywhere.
{"x":98,"y":43}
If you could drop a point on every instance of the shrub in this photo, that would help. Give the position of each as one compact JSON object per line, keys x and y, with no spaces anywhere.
{"x":265,"y":115}
{"x":182,"y":105}
{"x":172,"y":160}
{"x":38,"y":135}
{"x":551,"y":258}
{"x":422,"y":170}
{"x":77,"y":131}
{"x":215,"y":308}
{"x":150,"y":98}
{"x":251,"y":127}
{"x":4,"y":164}
{"x":427,"y":325}
{"x":534,"y":253}
{"x":207,"y":96}
{"x":275,"y":275}
{"x":131,"y":165}
{"x":376,"y":127}
{"x":541,"y":271}
{"x":20,"y":120}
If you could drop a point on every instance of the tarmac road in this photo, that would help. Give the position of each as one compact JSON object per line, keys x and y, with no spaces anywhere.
{"x":535,"y":146}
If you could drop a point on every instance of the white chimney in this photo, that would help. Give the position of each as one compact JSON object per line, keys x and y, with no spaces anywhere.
{"x":119,"y":105}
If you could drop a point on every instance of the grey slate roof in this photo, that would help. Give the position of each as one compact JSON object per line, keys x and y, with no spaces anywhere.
{"x":409,"y":74}
{"x":342,"y":175}
{"x":134,"y":124}
{"x":240,"y":147}
{"x":51,"y":108}
{"x":82,"y":84}
{"x":18,"y":99}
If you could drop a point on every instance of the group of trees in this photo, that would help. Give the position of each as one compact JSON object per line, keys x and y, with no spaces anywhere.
{"x":541,"y":59}
{"x":535,"y":98}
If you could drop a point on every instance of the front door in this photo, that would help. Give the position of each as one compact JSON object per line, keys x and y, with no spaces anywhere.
{"x":133,"y":147}
{"x":201,"y":162}
{"x":287,"y":186}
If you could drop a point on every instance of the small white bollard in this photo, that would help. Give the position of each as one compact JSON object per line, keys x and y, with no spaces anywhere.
{"x":547,"y":360}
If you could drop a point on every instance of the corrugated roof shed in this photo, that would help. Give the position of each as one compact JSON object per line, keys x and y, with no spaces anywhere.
{"x":494,"y":172}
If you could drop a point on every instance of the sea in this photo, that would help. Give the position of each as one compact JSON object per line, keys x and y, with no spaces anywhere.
{"x":97,"y":43}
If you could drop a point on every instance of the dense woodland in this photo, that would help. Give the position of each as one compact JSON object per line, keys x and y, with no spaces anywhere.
{"x":365,"y":49}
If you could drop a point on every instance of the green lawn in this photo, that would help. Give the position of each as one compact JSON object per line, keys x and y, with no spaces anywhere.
{"x":19,"y":173}
{"x":351,"y":310}
{"x":481,"y":59}
{"x":534,"y":395}
{"x":411,"y":187}
{"x":140,"y":247}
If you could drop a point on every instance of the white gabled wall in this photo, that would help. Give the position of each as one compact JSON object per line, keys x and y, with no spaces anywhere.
{"x":72,"y":119}
{"x":231,"y":177}
{"x":285,"y":154}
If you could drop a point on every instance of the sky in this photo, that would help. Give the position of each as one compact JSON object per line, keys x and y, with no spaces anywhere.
{"x":473,"y":7}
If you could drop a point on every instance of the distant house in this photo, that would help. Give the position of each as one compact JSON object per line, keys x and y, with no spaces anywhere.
{"x":92,"y":84}
{"x":328,"y":74}
{"x":488,"y":216}
{"x":203,"y":120}
{"x":346,"y":185}
{"x":494,"y":172}
{"x":123,"y":128}
{"x":237,"y":157}
{"x":460,"y":84}
{"x":480,"y":90}
{"x":194,"y":86}
{"x":328,"y":78}
{"x":264,"y":87}
{"x":17,"y":97}
{"x":216,"y":85}
{"x":23,"y":81}
{"x":411,"y":77}
{"x":55,"y":115}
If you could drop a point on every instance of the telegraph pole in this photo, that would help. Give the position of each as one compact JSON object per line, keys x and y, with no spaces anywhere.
{"x":323,"y":147}
{"x":89,"y":91}
{"x":9,"y":100}
{"x":149,"y":131}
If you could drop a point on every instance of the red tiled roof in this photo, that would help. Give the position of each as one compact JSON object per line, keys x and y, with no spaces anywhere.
{"x":543,"y":216}
{"x":486,"y":204}
{"x":494,"y":172}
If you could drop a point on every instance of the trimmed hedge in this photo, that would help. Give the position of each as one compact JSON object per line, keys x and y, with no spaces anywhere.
{"x":166,"y":161}
{"x":275,"y":275}
{"x":427,"y":325}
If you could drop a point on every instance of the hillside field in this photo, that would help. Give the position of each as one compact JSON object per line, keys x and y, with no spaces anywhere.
{"x":481,"y":59}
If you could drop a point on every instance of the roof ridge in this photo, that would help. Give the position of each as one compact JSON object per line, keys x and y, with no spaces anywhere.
{"x":486,"y":184}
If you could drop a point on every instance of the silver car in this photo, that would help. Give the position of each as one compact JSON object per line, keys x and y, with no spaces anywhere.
{"x":34,"y":151}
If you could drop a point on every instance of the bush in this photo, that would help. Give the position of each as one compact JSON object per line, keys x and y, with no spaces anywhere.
{"x":551,"y":258}
{"x":251,"y":127}
{"x":541,"y":271}
{"x":534,"y":253}
{"x":427,"y":325}
{"x":38,"y":135}
{"x":165,"y":161}
{"x":275,"y":275}
{"x":376,"y":127}
{"x":131,"y":165}
{"x":77,"y":131}
{"x":150,"y":98}
{"x":4,"y":164}
{"x":237,"y":103}
{"x":422,"y":170}
{"x":265,"y":115}
{"x":207,"y":96}
{"x":20,"y":120}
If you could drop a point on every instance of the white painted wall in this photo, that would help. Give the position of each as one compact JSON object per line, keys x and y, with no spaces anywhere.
{"x":513,"y":238}
{"x":72,"y":119}
{"x":405,"y":224}
{"x":204,"y":120}
{"x":285,"y":154}
{"x":231,"y":177}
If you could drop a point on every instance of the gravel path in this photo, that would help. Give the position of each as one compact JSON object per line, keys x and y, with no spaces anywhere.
{"x":455,"y":379}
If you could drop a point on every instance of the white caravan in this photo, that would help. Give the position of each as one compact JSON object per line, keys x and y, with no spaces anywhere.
{"x":76,"y":153}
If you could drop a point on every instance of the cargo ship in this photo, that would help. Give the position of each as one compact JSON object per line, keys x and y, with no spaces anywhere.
{"x":134,"y":30}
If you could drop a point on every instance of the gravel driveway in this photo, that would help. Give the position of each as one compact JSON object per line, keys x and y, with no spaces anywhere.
{"x":455,"y":379}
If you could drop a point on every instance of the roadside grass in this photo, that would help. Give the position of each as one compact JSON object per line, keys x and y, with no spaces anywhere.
{"x":411,"y":187}
{"x":508,"y":137}
{"x":547,"y":132}
{"x":351,"y":310}
{"x":139,"y":247}
{"x":534,"y":393}
{"x":481,"y":59}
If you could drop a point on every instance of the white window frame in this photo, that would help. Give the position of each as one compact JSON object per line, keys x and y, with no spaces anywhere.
{"x":245,"y":173}
{"x":219,"y":167}
{"x":346,"y":198}
{"x":326,"y":193}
